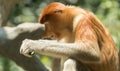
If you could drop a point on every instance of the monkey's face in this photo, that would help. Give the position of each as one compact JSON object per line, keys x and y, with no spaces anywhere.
{"x":49,"y":33}
{"x":56,"y":19}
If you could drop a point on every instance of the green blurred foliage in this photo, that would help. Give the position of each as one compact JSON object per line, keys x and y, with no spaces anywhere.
{"x":8,"y":65}
{"x":108,"y":11}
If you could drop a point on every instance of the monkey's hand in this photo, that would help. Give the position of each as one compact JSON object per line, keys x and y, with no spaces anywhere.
{"x":30,"y":47}
{"x":26,"y":48}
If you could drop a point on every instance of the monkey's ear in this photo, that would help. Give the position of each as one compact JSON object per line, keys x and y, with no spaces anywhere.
{"x":58,"y":11}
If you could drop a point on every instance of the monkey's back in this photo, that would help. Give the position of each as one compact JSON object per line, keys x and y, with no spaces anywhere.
{"x":109,"y":57}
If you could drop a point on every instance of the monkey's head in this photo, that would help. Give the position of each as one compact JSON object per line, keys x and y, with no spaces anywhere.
{"x":51,"y":12}
{"x":56,"y":15}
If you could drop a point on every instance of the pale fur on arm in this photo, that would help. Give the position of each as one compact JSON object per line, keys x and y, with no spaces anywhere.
{"x":60,"y":50}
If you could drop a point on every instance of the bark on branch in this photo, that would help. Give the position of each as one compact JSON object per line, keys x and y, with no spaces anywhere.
{"x":11,"y":39}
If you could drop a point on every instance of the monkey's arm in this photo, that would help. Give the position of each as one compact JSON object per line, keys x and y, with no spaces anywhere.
{"x":84,"y":51}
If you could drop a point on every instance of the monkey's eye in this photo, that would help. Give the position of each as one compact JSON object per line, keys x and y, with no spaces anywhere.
{"x":58,"y":11}
{"x":52,"y":36}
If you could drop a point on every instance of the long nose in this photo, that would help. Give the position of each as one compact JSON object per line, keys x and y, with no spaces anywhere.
{"x":42,"y":19}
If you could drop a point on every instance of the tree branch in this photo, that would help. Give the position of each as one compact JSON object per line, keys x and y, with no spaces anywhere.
{"x":11,"y":39}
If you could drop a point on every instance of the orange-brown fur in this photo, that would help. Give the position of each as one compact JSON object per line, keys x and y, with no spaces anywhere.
{"x":58,"y":20}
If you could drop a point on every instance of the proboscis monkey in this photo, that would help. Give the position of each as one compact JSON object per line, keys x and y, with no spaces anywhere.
{"x":87,"y":44}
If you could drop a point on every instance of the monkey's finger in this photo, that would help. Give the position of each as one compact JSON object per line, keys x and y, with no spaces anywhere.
{"x":31,"y":52}
{"x":27,"y":53}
